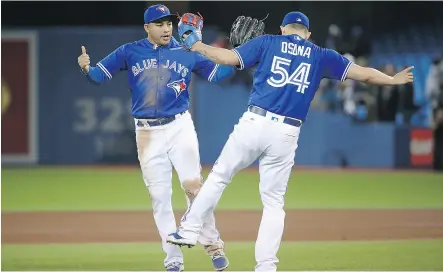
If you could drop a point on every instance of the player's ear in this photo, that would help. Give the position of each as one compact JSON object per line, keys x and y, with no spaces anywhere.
{"x":308,"y":35}
{"x":146,"y":27}
{"x":282,"y":30}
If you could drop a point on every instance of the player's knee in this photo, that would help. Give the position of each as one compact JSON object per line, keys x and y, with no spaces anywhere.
{"x":192,"y":187}
{"x":218,"y":177}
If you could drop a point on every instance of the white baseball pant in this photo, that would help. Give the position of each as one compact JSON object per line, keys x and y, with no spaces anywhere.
{"x":159,"y":149}
{"x":274,"y":143}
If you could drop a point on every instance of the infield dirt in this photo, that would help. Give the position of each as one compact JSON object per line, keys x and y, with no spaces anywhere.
{"x":301,"y":225}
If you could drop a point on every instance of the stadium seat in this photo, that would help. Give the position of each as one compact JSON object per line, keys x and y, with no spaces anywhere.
{"x":416,"y":46}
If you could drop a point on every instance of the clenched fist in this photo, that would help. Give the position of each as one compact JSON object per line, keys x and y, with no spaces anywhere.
{"x":84,"y":61}
{"x":404,"y":76}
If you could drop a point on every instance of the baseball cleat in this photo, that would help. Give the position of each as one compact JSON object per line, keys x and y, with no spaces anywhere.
{"x":175,"y":267}
{"x":220,"y":262}
{"x":175,"y":239}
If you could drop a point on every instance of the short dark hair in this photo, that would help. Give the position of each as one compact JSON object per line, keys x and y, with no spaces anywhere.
{"x":297,"y":26}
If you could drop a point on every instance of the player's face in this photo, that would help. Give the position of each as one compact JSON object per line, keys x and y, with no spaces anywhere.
{"x":159,"y":32}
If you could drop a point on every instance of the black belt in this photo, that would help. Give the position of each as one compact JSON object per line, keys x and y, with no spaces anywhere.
{"x":286,"y":120}
{"x":157,"y":122}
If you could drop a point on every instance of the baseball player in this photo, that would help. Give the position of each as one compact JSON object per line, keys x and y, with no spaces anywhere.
{"x":289,"y":70}
{"x":159,"y":73}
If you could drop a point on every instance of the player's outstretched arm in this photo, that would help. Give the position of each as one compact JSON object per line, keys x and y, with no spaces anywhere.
{"x":211,"y":71}
{"x":94,"y":74}
{"x":373,"y":76}
{"x":218,"y":55}
{"x":223,"y":73}
{"x":106,"y":68}
{"x":243,"y":30}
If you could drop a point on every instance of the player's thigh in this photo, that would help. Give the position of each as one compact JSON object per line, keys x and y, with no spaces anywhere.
{"x":281,"y":140}
{"x":184,"y":154}
{"x":275,"y":165}
{"x":241,"y":150}
{"x":152,"y":154}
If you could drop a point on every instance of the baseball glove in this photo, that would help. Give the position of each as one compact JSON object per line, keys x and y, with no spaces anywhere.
{"x":245,"y":29}
{"x":191,"y":25}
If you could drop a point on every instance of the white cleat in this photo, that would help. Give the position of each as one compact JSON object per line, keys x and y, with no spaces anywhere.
{"x":175,"y":239}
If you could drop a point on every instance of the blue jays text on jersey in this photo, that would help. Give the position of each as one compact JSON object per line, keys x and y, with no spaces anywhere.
{"x":289,"y":71}
{"x":158,"y":76}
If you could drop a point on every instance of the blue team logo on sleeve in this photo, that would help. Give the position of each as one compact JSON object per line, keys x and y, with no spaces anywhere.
{"x":179,"y":86}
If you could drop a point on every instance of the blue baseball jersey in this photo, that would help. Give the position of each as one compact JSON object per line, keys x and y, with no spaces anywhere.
{"x":158,"y":76}
{"x":289,"y":71}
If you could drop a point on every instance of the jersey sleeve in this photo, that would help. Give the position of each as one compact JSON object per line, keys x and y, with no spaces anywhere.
{"x":204,"y":67}
{"x":335,"y":65}
{"x":213,"y":72}
{"x":250,"y":52}
{"x":95,"y":75}
{"x":114,"y":62}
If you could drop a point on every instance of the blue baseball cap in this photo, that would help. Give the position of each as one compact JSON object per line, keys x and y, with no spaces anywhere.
{"x":156,"y":12}
{"x":296,"y":17}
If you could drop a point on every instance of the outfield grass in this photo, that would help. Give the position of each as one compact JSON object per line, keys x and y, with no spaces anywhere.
{"x":45,"y":189}
{"x":388,"y":256}
{"x":65,"y":189}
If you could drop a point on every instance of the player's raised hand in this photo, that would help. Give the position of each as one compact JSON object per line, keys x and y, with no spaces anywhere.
{"x":405,"y":76}
{"x":189,"y":29}
{"x":84,"y":61}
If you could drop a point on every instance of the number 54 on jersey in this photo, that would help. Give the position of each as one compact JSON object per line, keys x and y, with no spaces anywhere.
{"x":299,"y":77}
